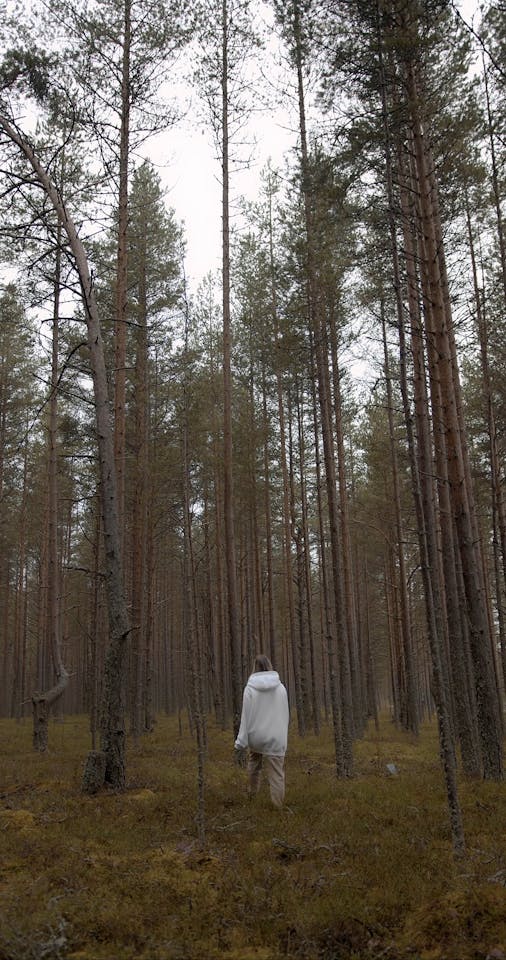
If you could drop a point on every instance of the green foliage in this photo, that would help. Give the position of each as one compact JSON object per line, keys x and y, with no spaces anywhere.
{"x":348,"y":869}
{"x":26,"y":70}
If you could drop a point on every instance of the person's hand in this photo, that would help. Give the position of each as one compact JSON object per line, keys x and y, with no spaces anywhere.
{"x":240,"y":756}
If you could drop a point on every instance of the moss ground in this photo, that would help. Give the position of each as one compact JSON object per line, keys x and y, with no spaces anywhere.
{"x":353,"y":870}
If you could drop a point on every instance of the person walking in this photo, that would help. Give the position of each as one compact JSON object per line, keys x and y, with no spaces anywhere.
{"x":264,"y":729}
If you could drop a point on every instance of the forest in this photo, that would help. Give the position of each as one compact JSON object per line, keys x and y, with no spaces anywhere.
{"x":302,"y":455}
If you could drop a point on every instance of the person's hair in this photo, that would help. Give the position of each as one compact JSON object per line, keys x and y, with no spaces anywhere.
{"x":261,"y":663}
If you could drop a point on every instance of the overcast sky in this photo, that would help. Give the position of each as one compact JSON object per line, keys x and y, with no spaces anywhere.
{"x":190,"y":171}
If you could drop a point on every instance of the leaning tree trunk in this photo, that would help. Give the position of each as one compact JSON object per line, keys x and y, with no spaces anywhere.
{"x":112,"y":720}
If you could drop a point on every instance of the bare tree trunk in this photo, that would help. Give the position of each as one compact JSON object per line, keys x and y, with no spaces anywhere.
{"x":297,"y":637}
{"x":139,"y":645}
{"x":318,"y":328}
{"x":411,"y":713}
{"x":496,"y":479}
{"x":495,"y":181}
{"x":255,"y":583}
{"x":396,"y":667}
{"x":42,"y":702}
{"x":328,"y":622}
{"x":312,"y":708}
{"x":120,"y":328}
{"x":440,"y":529}
{"x":190,"y":627}
{"x":270,"y":627}
{"x":93,"y":664}
{"x":427,"y":537}
{"x":19,"y":606}
{"x":347,"y":558}
{"x":462,"y":506}
{"x":112,"y":720}
{"x":228,"y":489}
{"x":287,"y":529}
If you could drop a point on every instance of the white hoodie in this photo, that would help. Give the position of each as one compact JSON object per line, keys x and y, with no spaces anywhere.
{"x":264,"y":719}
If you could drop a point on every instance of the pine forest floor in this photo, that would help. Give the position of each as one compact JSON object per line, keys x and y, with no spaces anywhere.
{"x":359,"y":869}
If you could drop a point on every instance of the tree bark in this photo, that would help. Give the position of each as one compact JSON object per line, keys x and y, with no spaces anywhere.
{"x":120,"y":328}
{"x":462,"y":507}
{"x":112,"y":720}
{"x":228,"y":485}
{"x":41,"y":713}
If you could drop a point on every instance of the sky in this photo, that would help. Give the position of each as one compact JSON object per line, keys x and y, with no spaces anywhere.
{"x":190,"y":171}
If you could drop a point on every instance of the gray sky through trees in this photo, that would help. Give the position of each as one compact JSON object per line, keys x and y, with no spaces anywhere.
{"x":190,"y":170}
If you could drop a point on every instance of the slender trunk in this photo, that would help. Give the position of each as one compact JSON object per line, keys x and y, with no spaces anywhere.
{"x":298,"y":635}
{"x":42,"y":702}
{"x":328,"y":621}
{"x":19,"y":605}
{"x":271,"y":627}
{"x":462,"y":506}
{"x":498,"y":196}
{"x":426,"y":536}
{"x":411,"y":713}
{"x":440,"y":529}
{"x":93,"y":665}
{"x":347,"y":559}
{"x":140,"y":526}
{"x":228,"y":490}
{"x":496,"y":480}
{"x":189,"y":625}
{"x":317,"y":326}
{"x":121,"y":292}
{"x":395,"y":666}
{"x":308,"y":649}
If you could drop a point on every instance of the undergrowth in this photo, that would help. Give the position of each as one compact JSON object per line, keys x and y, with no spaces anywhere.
{"x":348,"y":870}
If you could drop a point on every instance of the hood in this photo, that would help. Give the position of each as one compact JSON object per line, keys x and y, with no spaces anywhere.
{"x":265,"y":680}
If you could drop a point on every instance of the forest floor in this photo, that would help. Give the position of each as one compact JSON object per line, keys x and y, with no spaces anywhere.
{"x":359,"y":869}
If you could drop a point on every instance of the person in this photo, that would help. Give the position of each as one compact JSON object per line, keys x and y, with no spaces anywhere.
{"x":264,"y":729}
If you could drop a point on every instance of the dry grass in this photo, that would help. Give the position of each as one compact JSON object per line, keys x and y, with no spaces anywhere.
{"x":356,"y":869}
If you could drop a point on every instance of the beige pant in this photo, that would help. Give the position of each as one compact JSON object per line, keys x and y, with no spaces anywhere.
{"x":274,"y":768}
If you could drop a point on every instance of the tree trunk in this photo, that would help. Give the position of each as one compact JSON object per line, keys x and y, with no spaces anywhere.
{"x":190,"y":628}
{"x":228,"y":487}
{"x":120,"y":327}
{"x":319,"y":339}
{"x":40,"y":712}
{"x":347,"y":558}
{"x":112,"y":720}
{"x":140,"y":526}
{"x":297,"y":638}
{"x":270,"y":626}
{"x":462,"y":506}
{"x":312,"y":707}
{"x":410,"y":711}
{"x":496,"y":480}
